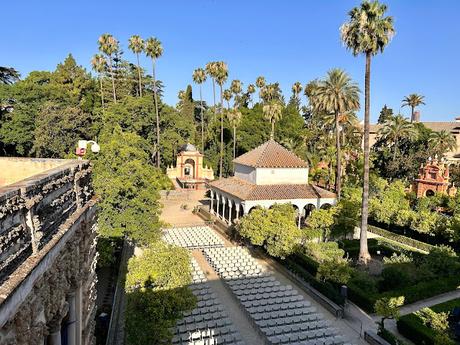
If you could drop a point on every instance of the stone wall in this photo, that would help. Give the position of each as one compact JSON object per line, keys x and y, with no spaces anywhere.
{"x":47,"y":257}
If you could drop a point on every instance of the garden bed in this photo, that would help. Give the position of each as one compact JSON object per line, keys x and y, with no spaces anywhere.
{"x":412,"y":327}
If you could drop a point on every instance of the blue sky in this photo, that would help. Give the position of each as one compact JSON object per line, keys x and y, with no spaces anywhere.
{"x":286,"y":41}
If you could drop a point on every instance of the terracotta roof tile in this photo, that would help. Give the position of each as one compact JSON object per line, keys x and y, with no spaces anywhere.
{"x":271,"y":155}
{"x":248,"y":191}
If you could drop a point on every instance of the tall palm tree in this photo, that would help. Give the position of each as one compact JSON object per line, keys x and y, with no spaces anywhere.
{"x":136,"y":44}
{"x":251,"y":90}
{"x":368,"y":32}
{"x":236,"y":87}
{"x":260,"y":83}
{"x":413,"y":101}
{"x":337,"y":94}
{"x":395,"y":129}
{"x":442,"y":142}
{"x":211,"y":70}
{"x":154,"y":50}
{"x":273,"y":112}
{"x":109,"y":46}
{"x":221,"y":78}
{"x":99,"y":64}
{"x":234,"y":117}
{"x":199,"y":77}
{"x":296,"y":89}
{"x":227,"y":97}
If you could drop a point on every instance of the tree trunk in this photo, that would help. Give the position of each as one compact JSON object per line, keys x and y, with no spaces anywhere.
{"x":202,"y":123}
{"x":412,"y":117}
{"x":221,"y":131}
{"x":155,"y":100}
{"x":234,"y":142}
{"x":364,"y":255}
{"x":338,"y":157}
{"x":113,"y":79}
{"x":272,"y":135}
{"x":139,"y":75}
{"x":394,"y":151}
{"x":102,"y":93}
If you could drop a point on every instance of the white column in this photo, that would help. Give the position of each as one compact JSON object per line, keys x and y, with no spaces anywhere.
{"x":230,"y":205}
{"x":72,"y":323}
{"x":211,"y":209}
{"x":217,"y":204}
{"x":223,"y":209}
{"x":237,"y":211}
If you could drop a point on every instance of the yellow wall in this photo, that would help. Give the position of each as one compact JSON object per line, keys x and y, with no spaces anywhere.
{"x":16,"y":169}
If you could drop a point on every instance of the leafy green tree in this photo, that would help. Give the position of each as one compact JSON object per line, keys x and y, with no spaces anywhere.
{"x":384,"y":206}
{"x":99,"y":64}
{"x":273,"y":112}
{"x":128,"y":188}
{"x":388,"y":308}
{"x":439,"y":322}
{"x":385,"y":114}
{"x":368,"y":32}
{"x":319,"y":223}
{"x":157,"y":293}
{"x":337,"y":94}
{"x":137,"y":46}
{"x":109,"y":46}
{"x":154,"y":50}
{"x":273,"y":228}
{"x":336,"y":271}
{"x":8,"y":75}
{"x":413,"y":101}
{"x":234,"y":117}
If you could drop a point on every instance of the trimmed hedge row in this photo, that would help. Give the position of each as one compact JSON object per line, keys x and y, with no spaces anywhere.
{"x":390,"y":337}
{"x":412,"y":294}
{"x":413,"y":329}
{"x":400,"y":238}
{"x":327,"y":289}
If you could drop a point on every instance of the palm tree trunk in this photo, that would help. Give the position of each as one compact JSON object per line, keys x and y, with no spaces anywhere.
{"x":338,"y":159}
{"x":272,"y":135}
{"x":234,"y":142}
{"x":364,"y":255}
{"x":221,"y":131}
{"x":156,"y":113}
{"x":202,"y":123}
{"x":139,"y":75}
{"x":113,"y":79}
{"x":412,"y":117}
{"x":102,"y":93}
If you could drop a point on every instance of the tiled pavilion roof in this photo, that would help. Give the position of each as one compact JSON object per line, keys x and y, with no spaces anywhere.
{"x":271,"y":155}
{"x":245,"y":190}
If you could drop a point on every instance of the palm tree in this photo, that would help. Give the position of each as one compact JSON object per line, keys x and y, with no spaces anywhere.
{"x":413,"y":101}
{"x":337,"y":95}
{"x":442,"y":142}
{"x":368,"y":32}
{"x":234,"y":117}
{"x":251,"y":89}
{"x":260,"y":83}
{"x":99,"y":64}
{"x":236,"y":87}
{"x":395,"y":129}
{"x":136,"y":44}
{"x":8,"y":75}
{"x":273,"y":111}
{"x":227,"y":97}
{"x":154,"y":50}
{"x":199,"y":77}
{"x":221,"y":78}
{"x":109,"y":46}
{"x":296,"y":89}
{"x":211,"y":71}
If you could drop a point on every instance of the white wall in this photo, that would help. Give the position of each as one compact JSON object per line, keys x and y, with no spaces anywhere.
{"x":267,"y":176}
{"x":245,"y":173}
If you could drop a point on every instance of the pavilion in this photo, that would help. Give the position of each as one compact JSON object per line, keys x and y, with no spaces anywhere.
{"x":270,"y":174}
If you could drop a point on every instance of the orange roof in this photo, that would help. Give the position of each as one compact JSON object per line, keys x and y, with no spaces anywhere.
{"x":245,"y":190}
{"x":271,"y":155}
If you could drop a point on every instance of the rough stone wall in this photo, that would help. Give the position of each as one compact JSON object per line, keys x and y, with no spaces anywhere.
{"x":47,"y":252}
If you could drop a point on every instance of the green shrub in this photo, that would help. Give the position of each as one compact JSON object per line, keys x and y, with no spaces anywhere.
{"x":390,"y":337}
{"x":394,"y":277}
{"x":307,"y":263}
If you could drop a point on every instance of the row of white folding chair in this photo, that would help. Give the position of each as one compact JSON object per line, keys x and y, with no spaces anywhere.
{"x":260,"y":306}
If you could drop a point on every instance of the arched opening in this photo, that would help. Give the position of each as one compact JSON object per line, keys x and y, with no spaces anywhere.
{"x":233,"y":213}
{"x":189,"y":168}
{"x":241,"y":213}
{"x":308,"y":209}
{"x":326,"y":206}
{"x":252,"y":209}
{"x":429,"y":192}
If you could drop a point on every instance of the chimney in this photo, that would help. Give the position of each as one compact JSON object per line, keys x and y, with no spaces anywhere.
{"x":416,"y":117}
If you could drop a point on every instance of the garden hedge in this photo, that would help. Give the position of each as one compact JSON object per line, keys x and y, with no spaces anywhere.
{"x":400,"y":238}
